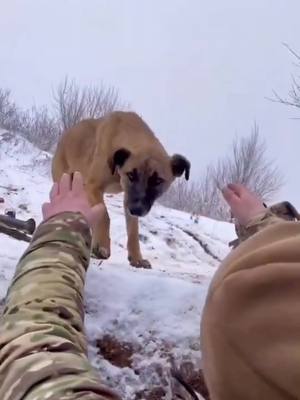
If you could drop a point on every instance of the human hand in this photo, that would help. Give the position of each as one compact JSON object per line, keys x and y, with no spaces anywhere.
{"x":244,"y":204}
{"x":69,"y":195}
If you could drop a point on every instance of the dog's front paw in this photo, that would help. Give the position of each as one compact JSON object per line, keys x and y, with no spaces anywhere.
{"x":139,"y":263}
{"x":101,"y":253}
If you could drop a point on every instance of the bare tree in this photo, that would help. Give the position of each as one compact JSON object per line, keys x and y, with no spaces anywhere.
{"x":73,"y":103}
{"x":40,"y":128}
{"x":209,"y":201}
{"x":8,"y":111}
{"x":179,"y":196}
{"x":293,"y":98}
{"x":36,"y":125}
{"x":201,"y":197}
{"x":196,"y":196}
{"x":246,"y":164}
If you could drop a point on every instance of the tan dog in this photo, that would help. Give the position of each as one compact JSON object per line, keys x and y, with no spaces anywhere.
{"x":119,"y":153}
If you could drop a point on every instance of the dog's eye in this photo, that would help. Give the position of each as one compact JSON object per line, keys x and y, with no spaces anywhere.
{"x":131,"y":176}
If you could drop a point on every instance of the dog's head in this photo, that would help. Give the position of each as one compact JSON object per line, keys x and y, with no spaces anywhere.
{"x":144,"y":178}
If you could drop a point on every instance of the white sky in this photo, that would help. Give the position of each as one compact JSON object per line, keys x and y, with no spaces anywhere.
{"x":199,"y":72}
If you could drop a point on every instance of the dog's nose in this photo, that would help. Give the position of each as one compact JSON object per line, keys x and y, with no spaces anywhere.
{"x":137,"y":211}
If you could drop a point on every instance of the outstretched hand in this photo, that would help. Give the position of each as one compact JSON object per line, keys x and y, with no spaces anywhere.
{"x":244,"y":204}
{"x":69,"y":195}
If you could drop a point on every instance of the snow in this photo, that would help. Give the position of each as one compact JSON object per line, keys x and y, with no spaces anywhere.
{"x":158,"y":311}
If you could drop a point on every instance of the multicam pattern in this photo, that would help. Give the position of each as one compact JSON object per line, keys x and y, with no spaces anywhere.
{"x":284,"y":210}
{"x":43,"y":350}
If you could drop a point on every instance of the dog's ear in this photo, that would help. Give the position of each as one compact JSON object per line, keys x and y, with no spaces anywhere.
{"x":180,"y":165}
{"x":118,"y":159}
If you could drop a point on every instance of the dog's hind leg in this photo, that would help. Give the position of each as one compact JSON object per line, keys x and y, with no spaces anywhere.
{"x":101,"y":237}
{"x":133,"y":245}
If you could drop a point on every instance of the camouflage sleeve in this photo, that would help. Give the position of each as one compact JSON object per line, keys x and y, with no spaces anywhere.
{"x":43,"y":350}
{"x":257,"y":224}
{"x":270,"y":216}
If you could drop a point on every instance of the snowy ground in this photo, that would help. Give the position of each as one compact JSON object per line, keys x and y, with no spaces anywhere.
{"x":153,"y":314}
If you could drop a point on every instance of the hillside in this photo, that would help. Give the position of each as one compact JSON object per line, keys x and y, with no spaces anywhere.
{"x":136,"y":320}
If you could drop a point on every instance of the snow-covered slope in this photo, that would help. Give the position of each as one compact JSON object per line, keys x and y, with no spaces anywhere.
{"x":137,"y":320}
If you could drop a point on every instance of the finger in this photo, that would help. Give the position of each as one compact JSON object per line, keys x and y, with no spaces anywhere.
{"x":54,"y":191}
{"x":237,"y":188}
{"x":77,"y":184}
{"x":65,"y":184}
{"x":229,"y":195}
{"x":45,"y":210}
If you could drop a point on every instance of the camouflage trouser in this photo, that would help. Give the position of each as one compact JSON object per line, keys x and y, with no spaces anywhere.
{"x":43,"y":350}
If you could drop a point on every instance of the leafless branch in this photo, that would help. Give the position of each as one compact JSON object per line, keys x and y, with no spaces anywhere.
{"x":73,"y":103}
{"x":291,"y":51}
{"x":246,"y":164}
{"x":43,"y":126}
{"x":9,"y":118}
{"x":293,"y":99}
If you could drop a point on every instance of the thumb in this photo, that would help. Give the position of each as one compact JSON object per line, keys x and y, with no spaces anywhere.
{"x":45,"y":210}
{"x":229,"y":195}
{"x":237,"y":188}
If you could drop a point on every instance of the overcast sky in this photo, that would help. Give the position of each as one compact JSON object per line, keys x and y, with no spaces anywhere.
{"x":198,"y":72}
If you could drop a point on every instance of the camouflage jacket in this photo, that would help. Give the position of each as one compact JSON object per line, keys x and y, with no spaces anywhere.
{"x":272,"y":215}
{"x":43,"y":350}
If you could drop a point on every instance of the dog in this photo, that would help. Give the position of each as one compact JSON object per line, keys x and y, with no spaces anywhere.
{"x":119,"y":153}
